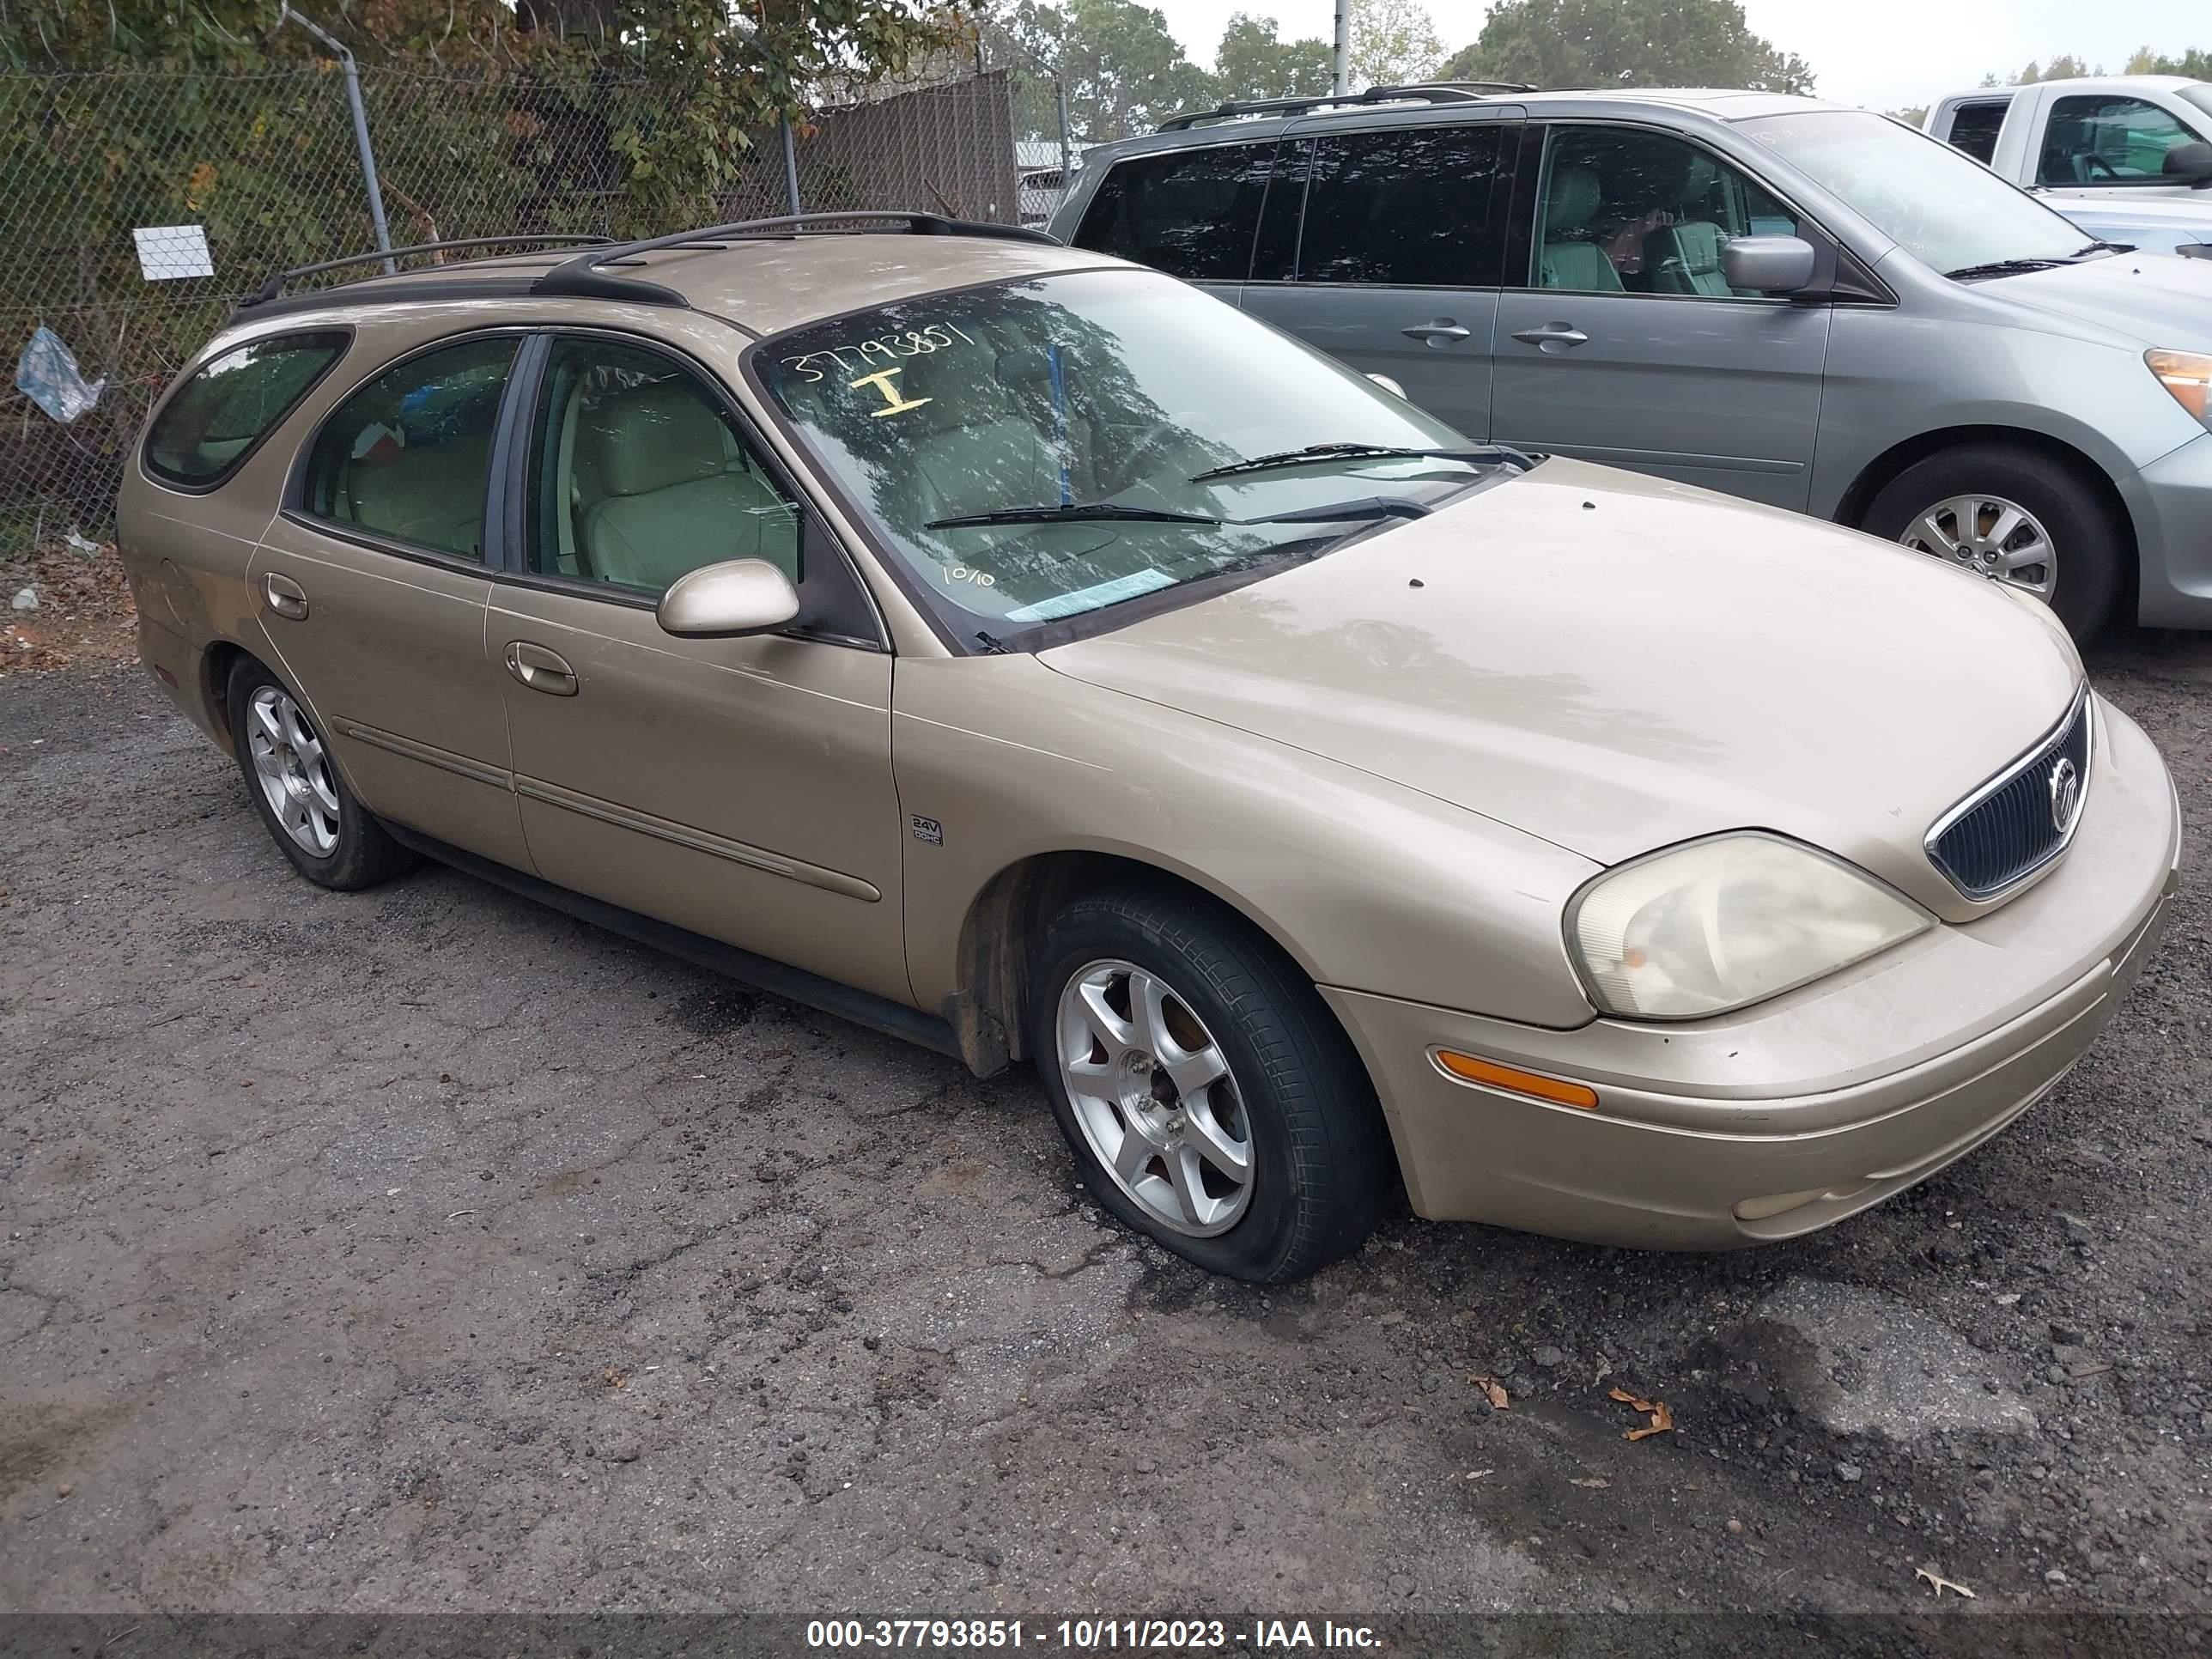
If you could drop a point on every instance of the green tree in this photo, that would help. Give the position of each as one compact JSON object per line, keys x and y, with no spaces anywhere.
{"x":1394,"y":42}
{"x":1124,"y":72}
{"x":1255,"y":62}
{"x":1649,"y":43}
{"x":2195,"y":63}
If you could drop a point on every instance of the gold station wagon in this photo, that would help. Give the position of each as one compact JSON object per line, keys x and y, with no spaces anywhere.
{"x":1017,"y":650}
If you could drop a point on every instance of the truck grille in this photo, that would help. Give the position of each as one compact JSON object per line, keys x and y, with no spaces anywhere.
{"x":2022,"y":819}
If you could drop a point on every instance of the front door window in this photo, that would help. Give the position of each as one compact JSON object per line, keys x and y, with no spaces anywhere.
{"x":2101,"y":139}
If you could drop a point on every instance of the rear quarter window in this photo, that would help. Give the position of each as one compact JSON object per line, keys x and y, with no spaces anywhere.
{"x":1191,"y":213}
{"x":235,"y":401}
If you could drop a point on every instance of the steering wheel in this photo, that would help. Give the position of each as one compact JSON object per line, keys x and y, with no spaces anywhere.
{"x":2094,"y":166}
{"x":1150,"y":439}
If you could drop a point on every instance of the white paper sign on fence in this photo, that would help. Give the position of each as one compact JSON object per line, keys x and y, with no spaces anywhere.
{"x":168,"y":252}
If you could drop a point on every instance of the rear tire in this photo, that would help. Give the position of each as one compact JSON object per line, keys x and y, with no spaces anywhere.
{"x":1237,"y":1050}
{"x":1926,"y":505}
{"x":294,"y":785}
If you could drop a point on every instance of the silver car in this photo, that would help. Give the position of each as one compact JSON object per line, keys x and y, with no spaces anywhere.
{"x":1793,"y":302}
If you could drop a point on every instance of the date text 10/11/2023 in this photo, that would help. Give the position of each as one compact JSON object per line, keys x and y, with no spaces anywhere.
{"x":1091,"y":1635}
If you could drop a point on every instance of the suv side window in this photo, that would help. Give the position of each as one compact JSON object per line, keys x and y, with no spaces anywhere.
{"x":1188,"y":212}
{"x":405,"y":456}
{"x":1622,"y":210}
{"x":1413,"y":207}
{"x":1974,"y":129}
{"x":223,"y":412}
{"x":2098,"y":138}
{"x":638,"y":478}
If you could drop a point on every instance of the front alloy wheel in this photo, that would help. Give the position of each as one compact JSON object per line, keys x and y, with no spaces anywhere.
{"x":1991,"y":536}
{"x":1155,"y":1097}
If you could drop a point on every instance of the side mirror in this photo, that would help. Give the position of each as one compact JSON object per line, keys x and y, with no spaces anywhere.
{"x":2190,"y":162}
{"x":1767,"y":264}
{"x":1390,"y":385}
{"x":722,"y":601}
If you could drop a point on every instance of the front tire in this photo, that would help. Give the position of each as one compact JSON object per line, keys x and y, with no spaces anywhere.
{"x":294,"y":785}
{"x":1211,"y":1099}
{"x":2013,"y":516}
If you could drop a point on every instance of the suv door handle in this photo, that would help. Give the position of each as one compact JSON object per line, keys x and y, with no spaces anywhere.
{"x":1561,"y":335}
{"x":540,"y":670}
{"x":1440,"y":332}
{"x":284,"y":596}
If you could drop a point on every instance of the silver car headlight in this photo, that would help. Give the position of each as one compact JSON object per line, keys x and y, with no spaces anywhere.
{"x":1715,"y":925}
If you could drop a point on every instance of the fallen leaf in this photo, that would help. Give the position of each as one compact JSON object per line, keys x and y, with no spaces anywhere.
{"x":1477,"y":1474}
{"x":1662,"y":1419}
{"x":1499,"y":1397}
{"x":1595,"y":1482}
{"x":1940,"y":1583}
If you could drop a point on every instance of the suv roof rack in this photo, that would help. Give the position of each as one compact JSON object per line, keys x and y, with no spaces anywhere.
{"x":274,"y":287}
{"x":585,"y":275}
{"x":1429,"y":92}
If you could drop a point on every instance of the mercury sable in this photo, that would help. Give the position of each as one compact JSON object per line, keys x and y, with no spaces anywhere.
{"x":1020,"y":651}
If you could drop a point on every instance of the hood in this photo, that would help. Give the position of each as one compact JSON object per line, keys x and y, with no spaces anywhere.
{"x":2153,"y":224}
{"x":2156,"y":298}
{"x":1616,"y":663}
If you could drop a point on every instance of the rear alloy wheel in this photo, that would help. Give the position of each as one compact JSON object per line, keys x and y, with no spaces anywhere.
{"x":1210,"y":1097}
{"x":2014,"y":517}
{"x":309,"y":813}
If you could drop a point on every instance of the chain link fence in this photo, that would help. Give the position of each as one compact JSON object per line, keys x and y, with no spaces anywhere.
{"x":265,"y":165}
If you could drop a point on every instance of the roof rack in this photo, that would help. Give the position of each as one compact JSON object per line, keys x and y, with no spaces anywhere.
{"x":1434,"y":92}
{"x":274,"y":287}
{"x":585,"y":276}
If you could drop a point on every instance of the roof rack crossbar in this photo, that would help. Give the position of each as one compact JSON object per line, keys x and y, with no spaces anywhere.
{"x":274,"y":287}
{"x":1433,"y":92}
{"x":585,"y":275}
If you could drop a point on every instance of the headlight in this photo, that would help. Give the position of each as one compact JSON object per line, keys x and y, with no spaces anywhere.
{"x":1714,"y":924}
{"x":2188,"y":376}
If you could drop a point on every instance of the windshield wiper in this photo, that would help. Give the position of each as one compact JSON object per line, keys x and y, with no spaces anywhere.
{"x":1489,"y":455}
{"x":1367,"y":507}
{"x":1070,"y":513}
{"x":2109,"y":247}
{"x":2000,"y":268}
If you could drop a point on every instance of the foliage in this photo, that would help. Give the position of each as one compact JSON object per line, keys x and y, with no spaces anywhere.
{"x":1253,"y":61}
{"x":1394,"y":42}
{"x":1123,"y":71}
{"x":1649,"y":42}
{"x":2195,"y":63}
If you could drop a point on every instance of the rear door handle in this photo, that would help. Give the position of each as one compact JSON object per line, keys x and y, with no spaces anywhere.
{"x":1442,"y":331}
{"x":1553,"y":335}
{"x":284,"y":596}
{"x":540,"y":670}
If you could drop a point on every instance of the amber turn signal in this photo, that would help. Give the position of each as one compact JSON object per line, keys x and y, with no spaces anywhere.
{"x":1470,"y":1069}
{"x":2187,"y":375}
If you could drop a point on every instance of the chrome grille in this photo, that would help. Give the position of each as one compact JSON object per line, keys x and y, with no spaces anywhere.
{"x":2019,"y":821}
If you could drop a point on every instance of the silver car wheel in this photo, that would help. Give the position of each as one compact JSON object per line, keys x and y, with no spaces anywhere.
{"x":1154,"y":1094}
{"x":295,"y":773}
{"x":1991,"y":536}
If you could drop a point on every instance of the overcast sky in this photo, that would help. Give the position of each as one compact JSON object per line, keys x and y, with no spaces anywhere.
{"x":1884,"y":53}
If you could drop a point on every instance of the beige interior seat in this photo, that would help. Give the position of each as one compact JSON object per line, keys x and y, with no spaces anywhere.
{"x":432,"y":496}
{"x":674,"y":492}
{"x":969,"y":450}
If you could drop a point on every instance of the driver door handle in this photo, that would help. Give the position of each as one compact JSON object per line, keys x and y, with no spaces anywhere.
{"x":540,"y":670}
{"x":1561,"y":335}
{"x":1436,"y":333}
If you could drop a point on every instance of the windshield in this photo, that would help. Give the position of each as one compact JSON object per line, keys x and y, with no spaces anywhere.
{"x":1941,"y":205}
{"x":1096,"y":398}
{"x":2200,"y":95}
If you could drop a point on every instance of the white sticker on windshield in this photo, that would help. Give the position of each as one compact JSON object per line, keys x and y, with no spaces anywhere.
{"x":1089,"y":599}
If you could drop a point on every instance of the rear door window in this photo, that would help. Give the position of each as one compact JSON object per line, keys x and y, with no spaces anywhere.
{"x":1191,"y":213}
{"x":211,"y":425}
{"x":405,"y":457}
{"x":1974,"y":129}
{"x":1414,"y":206}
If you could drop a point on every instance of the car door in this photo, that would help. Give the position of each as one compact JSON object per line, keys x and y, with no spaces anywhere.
{"x":1619,"y":341}
{"x":2095,"y":144}
{"x":738,"y":787}
{"x":1190,"y":212}
{"x":1385,"y":248}
{"x":371,"y":586}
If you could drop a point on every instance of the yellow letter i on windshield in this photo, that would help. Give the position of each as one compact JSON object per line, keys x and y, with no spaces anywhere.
{"x":894,"y":402}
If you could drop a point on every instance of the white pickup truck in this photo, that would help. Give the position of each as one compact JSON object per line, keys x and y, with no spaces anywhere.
{"x":2127,"y":157}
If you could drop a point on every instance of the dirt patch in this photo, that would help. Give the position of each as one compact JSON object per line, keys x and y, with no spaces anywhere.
{"x":83,"y":614}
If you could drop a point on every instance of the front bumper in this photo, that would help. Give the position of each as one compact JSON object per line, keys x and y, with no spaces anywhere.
{"x":1798,"y":1112}
{"x":2170,"y":503}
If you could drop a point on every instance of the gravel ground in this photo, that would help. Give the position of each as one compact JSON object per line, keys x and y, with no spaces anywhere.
{"x":424,"y":1249}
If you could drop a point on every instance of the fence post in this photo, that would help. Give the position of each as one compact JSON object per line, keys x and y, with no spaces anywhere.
{"x":1067,"y":142}
{"x":359,"y":130}
{"x":790,"y":165}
